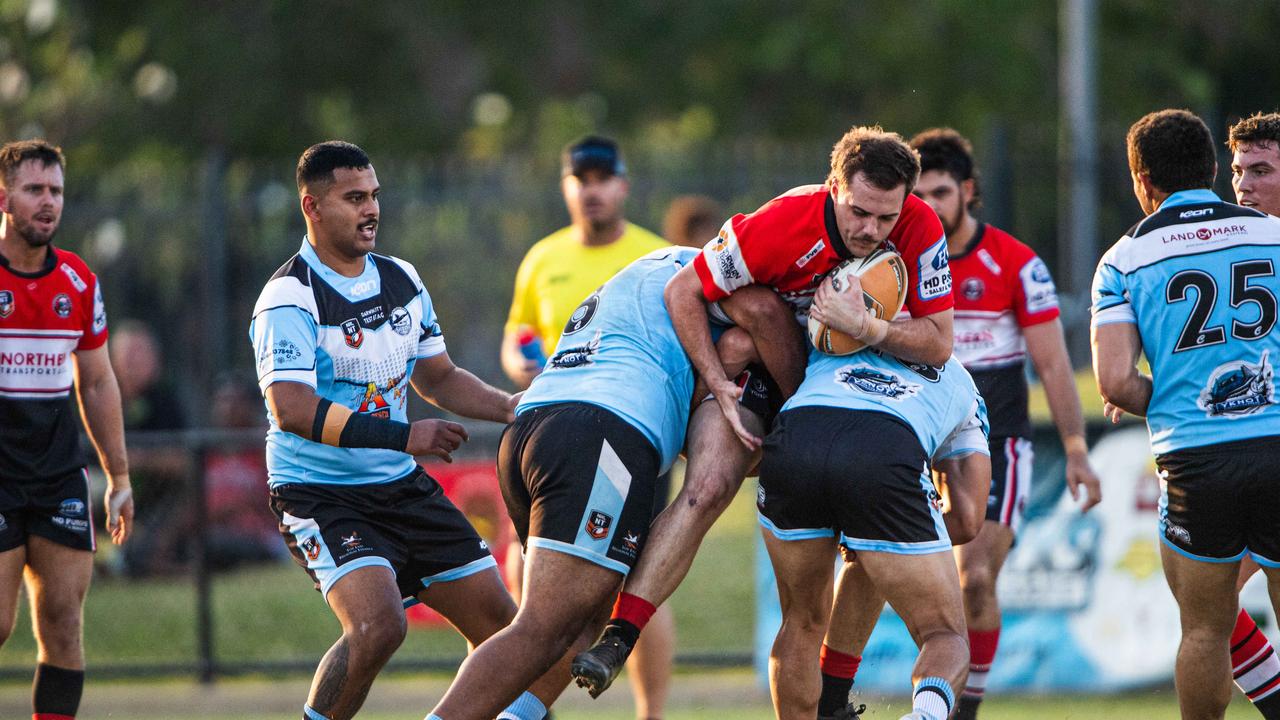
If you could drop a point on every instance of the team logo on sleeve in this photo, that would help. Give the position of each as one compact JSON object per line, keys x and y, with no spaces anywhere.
{"x":400,"y":321}
{"x":99,"y":311}
{"x":1037,"y":285}
{"x":352,"y":333}
{"x":935,"y":271}
{"x":598,"y":525}
{"x":582,"y":314}
{"x":6,"y":303}
{"x":874,"y":381}
{"x":62,"y":305}
{"x":1237,"y":389}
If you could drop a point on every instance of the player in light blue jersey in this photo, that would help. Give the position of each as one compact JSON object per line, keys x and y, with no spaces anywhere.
{"x":341,"y":335}
{"x":577,"y":467}
{"x":849,"y":463}
{"x":1193,"y":287}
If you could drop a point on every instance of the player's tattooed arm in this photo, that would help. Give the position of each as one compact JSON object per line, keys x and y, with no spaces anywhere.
{"x":1116,"y":348}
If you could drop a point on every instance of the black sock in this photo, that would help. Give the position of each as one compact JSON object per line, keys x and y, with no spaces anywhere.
{"x":56,"y":690}
{"x":624,"y":630}
{"x":1269,"y":706}
{"x":967,"y":708}
{"x":835,"y":694}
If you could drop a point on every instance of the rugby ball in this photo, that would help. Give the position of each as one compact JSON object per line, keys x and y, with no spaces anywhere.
{"x":883,"y":275}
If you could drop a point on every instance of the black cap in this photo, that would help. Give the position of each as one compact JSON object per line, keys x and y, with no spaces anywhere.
{"x":592,"y":153}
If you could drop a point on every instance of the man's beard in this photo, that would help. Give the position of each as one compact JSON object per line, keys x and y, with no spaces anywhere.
{"x":950,"y":226}
{"x":34,"y":238}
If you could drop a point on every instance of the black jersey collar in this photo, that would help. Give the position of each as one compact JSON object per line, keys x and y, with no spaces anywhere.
{"x":50,"y":262}
{"x":973,"y":241}
{"x":833,"y":228}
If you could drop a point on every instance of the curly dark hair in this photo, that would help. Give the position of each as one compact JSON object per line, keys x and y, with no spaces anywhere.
{"x":947,"y":150}
{"x":1257,"y":129}
{"x":14,"y":154}
{"x":1174,"y":149}
{"x":883,"y":157}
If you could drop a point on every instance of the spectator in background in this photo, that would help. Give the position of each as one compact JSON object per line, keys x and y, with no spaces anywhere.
{"x":159,"y":472}
{"x":557,"y":274}
{"x":242,"y":528}
{"x":692,"y":220}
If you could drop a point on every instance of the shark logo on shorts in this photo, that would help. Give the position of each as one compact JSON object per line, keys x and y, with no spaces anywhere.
{"x":875,"y":382}
{"x":1237,"y":389}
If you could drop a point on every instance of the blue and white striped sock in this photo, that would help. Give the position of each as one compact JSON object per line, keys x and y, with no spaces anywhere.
{"x":933,"y":698}
{"x":310,"y":713}
{"x":526,"y":707}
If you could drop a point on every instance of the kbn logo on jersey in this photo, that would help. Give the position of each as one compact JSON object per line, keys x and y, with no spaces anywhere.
{"x":875,"y":382}
{"x":6,"y":303}
{"x":1238,"y":388}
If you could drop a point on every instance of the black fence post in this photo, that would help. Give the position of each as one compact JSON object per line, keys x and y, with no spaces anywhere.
{"x":206,"y":666}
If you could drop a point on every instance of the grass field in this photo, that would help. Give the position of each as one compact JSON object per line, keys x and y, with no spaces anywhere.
{"x":273,"y":614}
{"x":703,"y":696}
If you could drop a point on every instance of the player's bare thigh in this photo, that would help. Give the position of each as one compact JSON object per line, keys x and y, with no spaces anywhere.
{"x":11,"y":564}
{"x":923,"y":589}
{"x":58,"y":579}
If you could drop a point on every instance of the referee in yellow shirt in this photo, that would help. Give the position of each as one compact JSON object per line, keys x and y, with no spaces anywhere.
{"x":557,"y":274}
{"x":563,"y":268}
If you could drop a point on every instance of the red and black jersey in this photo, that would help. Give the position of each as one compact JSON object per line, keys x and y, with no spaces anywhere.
{"x":1001,"y":286}
{"x":792,"y":241}
{"x":45,"y":317}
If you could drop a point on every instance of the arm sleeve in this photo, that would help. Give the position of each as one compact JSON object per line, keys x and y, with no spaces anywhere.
{"x":523,"y":311}
{"x":284,"y":343}
{"x":919,"y":238}
{"x":1035,"y":298}
{"x":968,"y":437}
{"x":95,"y":328}
{"x":430,"y":337}
{"x":722,"y":267}
{"x":1110,"y":296}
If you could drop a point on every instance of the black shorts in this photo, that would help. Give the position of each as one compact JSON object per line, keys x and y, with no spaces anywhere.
{"x":760,"y":394}
{"x":578,"y":479}
{"x":1011,"y":463}
{"x":56,"y":509}
{"x":861,"y":474}
{"x":407,"y":525}
{"x":1217,"y":502}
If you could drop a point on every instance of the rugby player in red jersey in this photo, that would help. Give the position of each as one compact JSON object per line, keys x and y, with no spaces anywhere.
{"x":763,"y":272}
{"x":53,"y":334}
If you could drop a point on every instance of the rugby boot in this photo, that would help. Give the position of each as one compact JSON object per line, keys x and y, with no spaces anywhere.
{"x":597,"y":667}
{"x":848,"y":712}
